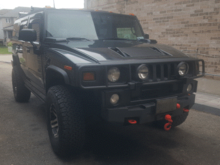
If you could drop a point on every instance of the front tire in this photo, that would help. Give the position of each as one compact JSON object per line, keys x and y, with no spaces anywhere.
{"x":65,"y":121}
{"x":21,"y":93}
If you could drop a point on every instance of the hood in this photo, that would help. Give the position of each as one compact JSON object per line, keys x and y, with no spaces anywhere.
{"x":119,"y":50}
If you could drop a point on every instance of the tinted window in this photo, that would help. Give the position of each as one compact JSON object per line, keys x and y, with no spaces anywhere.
{"x":117,"y":26}
{"x":93,"y":25}
{"x":71,"y":24}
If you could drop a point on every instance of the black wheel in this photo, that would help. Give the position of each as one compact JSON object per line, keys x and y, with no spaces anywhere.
{"x":65,"y":121}
{"x":21,"y":93}
{"x":177,"y":120}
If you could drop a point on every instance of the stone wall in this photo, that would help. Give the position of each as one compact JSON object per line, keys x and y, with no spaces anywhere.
{"x":192,"y":26}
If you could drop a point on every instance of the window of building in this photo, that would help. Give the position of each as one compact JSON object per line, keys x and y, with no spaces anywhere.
{"x":8,"y":20}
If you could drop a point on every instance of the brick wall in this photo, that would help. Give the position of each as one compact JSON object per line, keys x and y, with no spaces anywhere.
{"x":192,"y":26}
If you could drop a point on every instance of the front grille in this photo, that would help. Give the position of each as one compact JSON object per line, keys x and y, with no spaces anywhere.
{"x":160,"y":72}
{"x":156,"y":91}
{"x":157,"y":72}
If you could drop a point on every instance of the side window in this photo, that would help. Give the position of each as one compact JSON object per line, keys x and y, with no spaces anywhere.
{"x":36,"y":27}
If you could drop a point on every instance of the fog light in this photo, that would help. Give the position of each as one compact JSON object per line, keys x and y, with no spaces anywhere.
{"x":189,"y":88}
{"x":114,"y":99}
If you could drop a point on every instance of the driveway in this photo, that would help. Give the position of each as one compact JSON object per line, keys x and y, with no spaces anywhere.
{"x":24,"y":138}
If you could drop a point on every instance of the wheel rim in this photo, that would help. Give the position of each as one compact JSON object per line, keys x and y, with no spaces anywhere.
{"x":54,"y":121}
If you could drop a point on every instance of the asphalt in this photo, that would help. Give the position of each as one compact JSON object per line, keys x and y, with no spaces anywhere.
{"x":24,"y":139}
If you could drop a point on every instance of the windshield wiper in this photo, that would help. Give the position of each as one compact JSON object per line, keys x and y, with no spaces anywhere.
{"x":117,"y":39}
{"x":148,"y":41}
{"x":77,"y":38}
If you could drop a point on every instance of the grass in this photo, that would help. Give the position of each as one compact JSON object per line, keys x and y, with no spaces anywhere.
{"x":4,"y":50}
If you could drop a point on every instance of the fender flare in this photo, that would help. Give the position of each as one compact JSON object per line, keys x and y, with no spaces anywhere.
{"x":60,"y":71}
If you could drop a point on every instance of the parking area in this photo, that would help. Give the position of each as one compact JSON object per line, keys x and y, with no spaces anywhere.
{"x":24,"y":138}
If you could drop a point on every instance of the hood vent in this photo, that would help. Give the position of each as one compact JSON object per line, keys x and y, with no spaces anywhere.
{"x":161,"y":51}
{"x":117,"y":50}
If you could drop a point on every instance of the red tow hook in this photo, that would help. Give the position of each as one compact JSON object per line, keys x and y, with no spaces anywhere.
{"x":185,"y":110}
{"x":132,"y":121}
{"x":168,"y":125}
{"x":178,"y":106}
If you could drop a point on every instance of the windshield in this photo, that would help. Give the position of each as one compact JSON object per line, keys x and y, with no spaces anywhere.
{"x":77,"y":24}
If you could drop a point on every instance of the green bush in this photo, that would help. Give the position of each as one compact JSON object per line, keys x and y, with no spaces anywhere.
{"x":9,"y":44}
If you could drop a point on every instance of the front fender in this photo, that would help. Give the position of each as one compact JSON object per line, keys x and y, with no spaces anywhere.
{"x":60,"y":72}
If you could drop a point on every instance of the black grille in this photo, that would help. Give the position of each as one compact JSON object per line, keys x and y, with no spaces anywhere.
{"x":158,"y":72}
{"x":159,"y":90}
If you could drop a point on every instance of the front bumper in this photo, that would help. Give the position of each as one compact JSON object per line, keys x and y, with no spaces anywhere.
{"x":145,"y":113}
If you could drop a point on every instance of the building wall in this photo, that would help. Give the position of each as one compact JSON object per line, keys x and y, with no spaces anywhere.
{"x":192,"y":26}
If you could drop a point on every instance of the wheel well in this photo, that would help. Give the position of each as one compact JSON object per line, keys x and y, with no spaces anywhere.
{"x":53,"y":78}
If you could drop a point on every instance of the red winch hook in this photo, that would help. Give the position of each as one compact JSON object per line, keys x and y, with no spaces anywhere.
{"x":185,"y":110}
{"x":168,"y":125}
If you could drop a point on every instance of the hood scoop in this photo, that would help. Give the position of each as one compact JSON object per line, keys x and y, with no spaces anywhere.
{"x":118,"y":51}
{"x":139,"y":52}
{"x":161,"y":51}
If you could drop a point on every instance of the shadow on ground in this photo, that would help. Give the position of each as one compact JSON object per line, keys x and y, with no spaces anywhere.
{"x":113,"y":144}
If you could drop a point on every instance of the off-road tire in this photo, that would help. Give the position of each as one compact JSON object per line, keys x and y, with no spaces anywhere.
{"x":70,"y":137}
{"x":177,"y":120}
{"x":21,"y":93}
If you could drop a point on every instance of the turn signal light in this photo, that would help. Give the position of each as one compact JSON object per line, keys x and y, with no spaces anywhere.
{"x":67,"y":67}
{"x":88,"y":76}
{"x":132,"y":14}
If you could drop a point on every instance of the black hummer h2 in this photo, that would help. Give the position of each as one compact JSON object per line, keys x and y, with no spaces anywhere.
{"x":93,"y":63}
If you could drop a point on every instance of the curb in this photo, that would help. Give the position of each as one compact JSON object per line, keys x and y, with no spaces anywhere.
{"x":6,"y":62}
{"x":207,"y":109}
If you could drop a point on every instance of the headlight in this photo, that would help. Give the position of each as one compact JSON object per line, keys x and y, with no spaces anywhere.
{"x":183,"y":69}
{"x":113,"y":74}
{"x":189,"y":88}
{"x":114,"y":99}
{"x":143,"y":72}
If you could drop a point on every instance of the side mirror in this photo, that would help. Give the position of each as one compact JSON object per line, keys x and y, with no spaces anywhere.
{"x":146,"y":36}
{"x":28,"y":35}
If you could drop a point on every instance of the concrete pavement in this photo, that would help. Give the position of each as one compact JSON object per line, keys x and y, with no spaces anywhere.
{"x":24,"y":138}
{"x":5,"y":58}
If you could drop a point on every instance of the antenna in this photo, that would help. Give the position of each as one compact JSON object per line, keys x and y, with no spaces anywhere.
{"x":53,"y":3}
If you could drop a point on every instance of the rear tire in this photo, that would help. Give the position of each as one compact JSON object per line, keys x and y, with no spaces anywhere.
{"x":65,"y":121}
{"x":21,"y":93}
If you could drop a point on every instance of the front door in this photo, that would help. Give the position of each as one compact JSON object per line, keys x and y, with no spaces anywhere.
{"x":34,"y":60}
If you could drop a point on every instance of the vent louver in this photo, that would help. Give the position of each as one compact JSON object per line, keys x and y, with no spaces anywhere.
{"x":161,"y":51}
{"x":117,"y":50}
